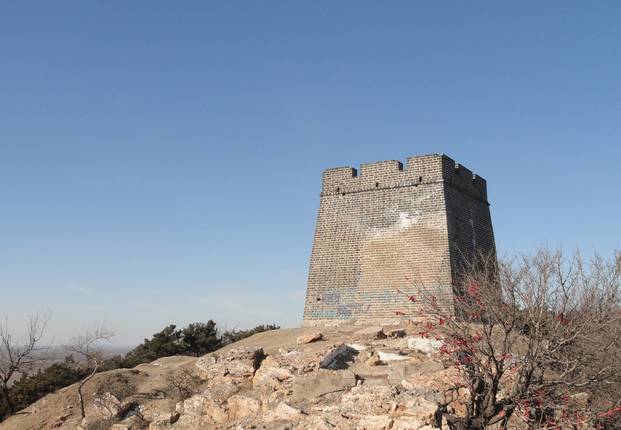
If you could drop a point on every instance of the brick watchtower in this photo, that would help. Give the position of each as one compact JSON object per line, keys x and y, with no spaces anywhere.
{"x":389,"y":227}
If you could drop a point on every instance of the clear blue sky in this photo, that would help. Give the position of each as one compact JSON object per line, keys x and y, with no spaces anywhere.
{"x":161,"y":161}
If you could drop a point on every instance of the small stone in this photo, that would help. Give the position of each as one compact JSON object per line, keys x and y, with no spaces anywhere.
{"x":108,"y":404}
{"x":386,"y":357}
{"x":200,"y":405}
{"x":283,"y":412}
{"x":242,"y":406}
{"x":407,"y":384}
{"x":238,"y":362}
{"x":374,"y":422}
{"x":308,"y":338}
{"x":161,"y":423}
{"x":357,"y":347}
{"x":373,"y":360}
{"x":271,"y":377}
{"x":315,"y":423}
{"x":397,"y":333}
{"x":370,"y":333}
{"x":318,"y":384}
{"x":337,"y":357}
{"x":419,"y":410}
{"x":407,"y":423}
{"x":373,"y":400}
{"x":424,"y":345}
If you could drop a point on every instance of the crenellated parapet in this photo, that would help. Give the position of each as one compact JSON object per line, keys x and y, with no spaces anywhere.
{"x":419,"y":170}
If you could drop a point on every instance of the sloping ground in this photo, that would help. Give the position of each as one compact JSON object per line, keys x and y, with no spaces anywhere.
{"x":352,"y":378}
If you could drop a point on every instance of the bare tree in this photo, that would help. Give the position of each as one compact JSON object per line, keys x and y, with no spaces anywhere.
{"x":19,"y":355}
{"x":88,"y":346}
{"x":533,"y":341}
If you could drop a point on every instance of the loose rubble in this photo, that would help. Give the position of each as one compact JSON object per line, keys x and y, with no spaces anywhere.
{"x":368,"y":378}
{"x":308,"y":338}
{"x":339,"y":390}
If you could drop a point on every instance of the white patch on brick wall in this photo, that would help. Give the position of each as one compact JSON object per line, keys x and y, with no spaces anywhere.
{"x":404,"y":221}
{"x":407,"y":219}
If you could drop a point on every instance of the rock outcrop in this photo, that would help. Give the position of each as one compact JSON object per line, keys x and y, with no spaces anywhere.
{"x":342,"y":378}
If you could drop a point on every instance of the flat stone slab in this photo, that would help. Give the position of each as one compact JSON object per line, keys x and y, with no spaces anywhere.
{"x":424,"y":345}
{"x":375,"y":332}
{"x":311,"y":386}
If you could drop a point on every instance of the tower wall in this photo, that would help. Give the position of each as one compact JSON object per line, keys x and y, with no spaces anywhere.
{"x":388,"y":227}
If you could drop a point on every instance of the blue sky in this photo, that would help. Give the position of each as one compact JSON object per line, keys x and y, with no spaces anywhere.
{"x":161,"y":161}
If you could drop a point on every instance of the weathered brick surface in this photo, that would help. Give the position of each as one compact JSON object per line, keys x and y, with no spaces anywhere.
{"x":388,"y":227}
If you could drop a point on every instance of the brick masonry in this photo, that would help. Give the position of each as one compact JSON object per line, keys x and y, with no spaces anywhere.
{"x":390,"y":227}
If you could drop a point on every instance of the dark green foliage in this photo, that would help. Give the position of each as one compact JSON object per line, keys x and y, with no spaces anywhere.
{"x":236,"y":335}
{"x":111,"y":363}
{"x":162,"y":344}
{"x":199,"y":338}
{"x":196,"y":339}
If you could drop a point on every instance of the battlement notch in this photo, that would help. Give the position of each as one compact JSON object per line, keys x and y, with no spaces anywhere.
{"x":423,"y":169}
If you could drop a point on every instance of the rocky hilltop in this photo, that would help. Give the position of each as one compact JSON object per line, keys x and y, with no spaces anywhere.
{"x":346,"y":377}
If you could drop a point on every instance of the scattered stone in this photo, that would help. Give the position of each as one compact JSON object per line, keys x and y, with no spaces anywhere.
{"x":206,"y":366}
{"x":242,"y":406}
{"x":239,"y":362}
{"x":374,"y":422}
{"x":270,"y":400}
{"x":201,"y":405}
{"x":373,"y":360}
{"x":60,"y":419}
{"x":420,"y":410}
{"x":162,"y":423}
{"x":407,"y":423}
{"x":321,"y":383}
{"x":371,"y":399}
{"x":223,"y":387}
{"x":366,"y":384}
{"x":370,"y":333}
{"x":308,"y":338}
{"x":288,"y":354}
{"x":357,"y":347}
{"x":424,"y":345}
{"x":315,"y":423}
{"x":244,"y":353}
{"x":387,"y":357}
{"x":108,"y":405}
{"x":407,"y":385}
{"x":337,"y":357}
{"x":397,"y":333}
{"x":271,"y":375}
{"x":283,"y":412}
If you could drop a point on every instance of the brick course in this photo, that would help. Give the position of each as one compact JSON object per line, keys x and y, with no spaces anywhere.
{"x":390,"y":227}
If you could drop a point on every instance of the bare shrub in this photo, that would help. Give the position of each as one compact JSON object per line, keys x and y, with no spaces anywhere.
{"x":535,"y":341}
{"x":117,"y":384}
{"x":87,"y":345}
{"x":184,"y":383}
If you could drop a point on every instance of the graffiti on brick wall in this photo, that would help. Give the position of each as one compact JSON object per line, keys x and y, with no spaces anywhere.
{"x":349,"y":302}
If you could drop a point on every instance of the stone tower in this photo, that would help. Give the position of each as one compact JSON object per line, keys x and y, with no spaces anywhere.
{"x":390,"y":227}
